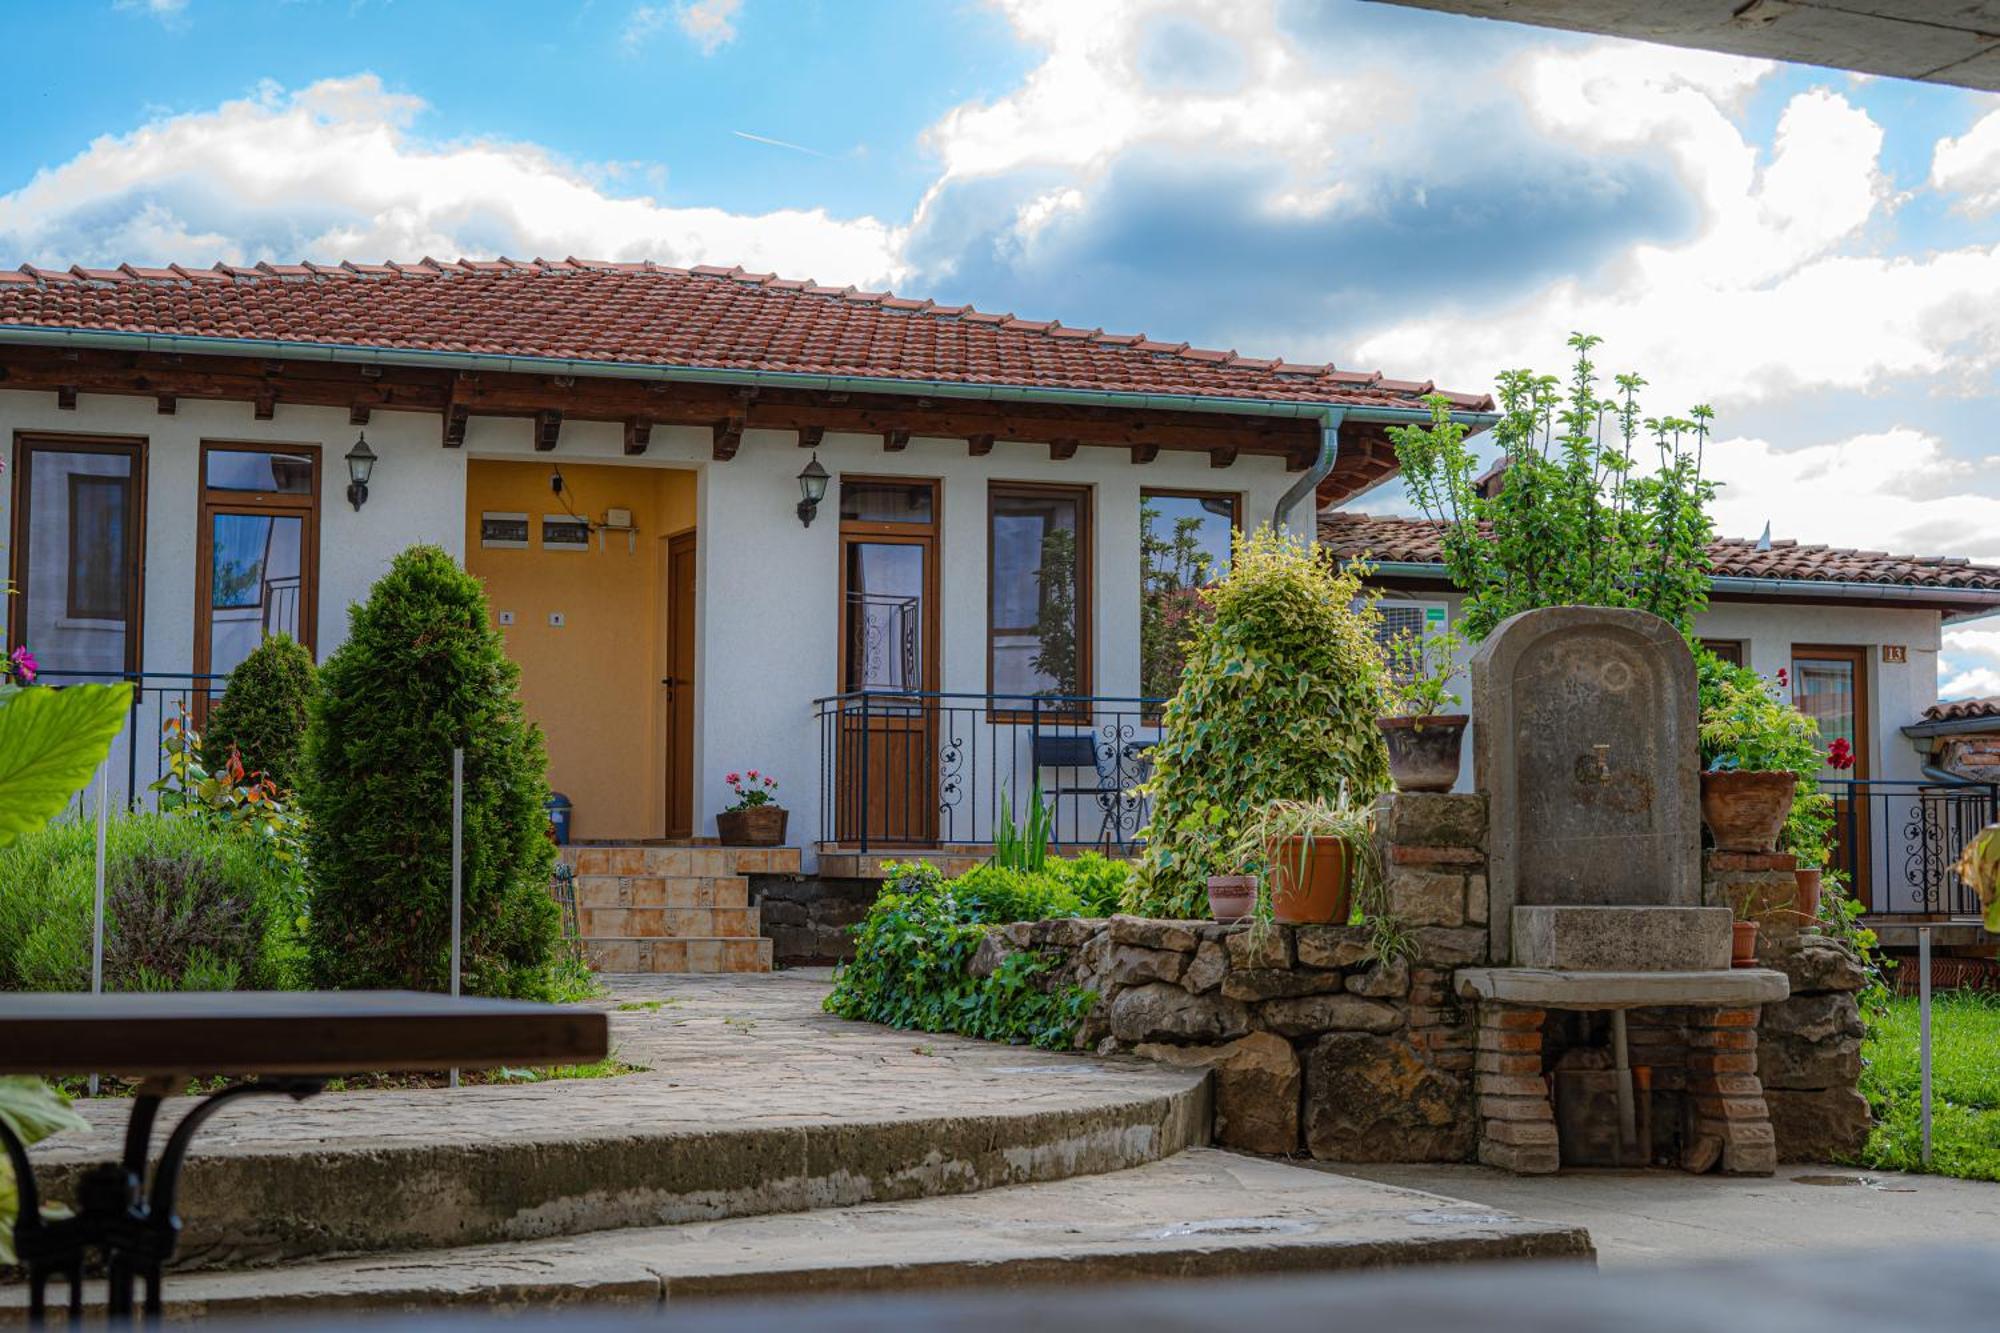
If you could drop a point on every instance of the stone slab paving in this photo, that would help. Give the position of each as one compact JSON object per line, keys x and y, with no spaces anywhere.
{"x":1203,"y":1213}
{"x":753,"y":1100}
{"x":1647,"y":1217}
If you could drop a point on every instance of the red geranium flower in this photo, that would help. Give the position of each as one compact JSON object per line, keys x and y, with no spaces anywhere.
{"x":1840,"y":754}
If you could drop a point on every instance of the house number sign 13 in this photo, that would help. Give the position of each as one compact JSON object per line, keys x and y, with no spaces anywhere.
{"x":1895,"y":653}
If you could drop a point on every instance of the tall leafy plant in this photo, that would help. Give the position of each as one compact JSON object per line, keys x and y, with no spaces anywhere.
{"x":1278,"y":702}
{"x":423,"y":671}
{"x":261,"y":716}
{"x":1600,"y":505}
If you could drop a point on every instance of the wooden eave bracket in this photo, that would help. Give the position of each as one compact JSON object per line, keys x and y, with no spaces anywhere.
{"x":895,"y":441}
{"x":810,"y":436}
{"x":727,"y":438}
{"x":548,"y":429}
{"x":638,"y":434}
{"x":978,"y":446}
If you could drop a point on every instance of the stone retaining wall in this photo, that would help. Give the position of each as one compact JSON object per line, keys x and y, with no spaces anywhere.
{"x":807,"y":917}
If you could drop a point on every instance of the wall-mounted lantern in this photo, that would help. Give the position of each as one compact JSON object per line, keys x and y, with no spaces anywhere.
{"x":812,"y":489}
{"x":360,"y":464}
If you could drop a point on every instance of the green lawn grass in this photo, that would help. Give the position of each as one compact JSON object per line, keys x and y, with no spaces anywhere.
{"x":1965,"y":1087}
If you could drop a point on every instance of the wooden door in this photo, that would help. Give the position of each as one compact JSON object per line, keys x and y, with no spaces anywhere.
{"x":679,"y":684}
{"x":886,"y":779}
{"x":1830,"y":686}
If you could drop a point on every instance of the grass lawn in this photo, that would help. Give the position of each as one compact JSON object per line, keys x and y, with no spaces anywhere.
{"x":1965,"y":1087}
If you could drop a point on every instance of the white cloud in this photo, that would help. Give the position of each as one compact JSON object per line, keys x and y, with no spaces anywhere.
{"x":166,"y":11}
{"x":1978,"y":683}
{"x":709,"y":24}
{"x":1970,"y":663}
{"x":1970,"y":164}
{"x":336,"y":172}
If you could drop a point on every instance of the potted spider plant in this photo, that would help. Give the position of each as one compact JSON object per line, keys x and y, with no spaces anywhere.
{"x":1422,"y":736}
{"x":1313,"y":855}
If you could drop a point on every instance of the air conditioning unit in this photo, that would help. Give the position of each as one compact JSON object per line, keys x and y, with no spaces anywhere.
{"x":1402,"y":618}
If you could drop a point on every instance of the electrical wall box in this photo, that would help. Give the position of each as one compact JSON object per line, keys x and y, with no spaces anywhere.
{"x":617,"y":518}
{"x":555,"y":620}
{"x":506,"y":617}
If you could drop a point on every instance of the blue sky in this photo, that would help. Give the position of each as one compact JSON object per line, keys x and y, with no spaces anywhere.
{"x":1816,"y":254}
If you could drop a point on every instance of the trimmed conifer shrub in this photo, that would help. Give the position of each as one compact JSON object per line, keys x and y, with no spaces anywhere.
{"x":422,"y":671}
{"x":262,"y":715}
{"x":1278,"y":702}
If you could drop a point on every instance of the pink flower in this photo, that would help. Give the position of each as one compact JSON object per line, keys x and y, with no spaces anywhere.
{"x":22,"y":664}
{"x":753,"y":775}
{"x":732,"y":778}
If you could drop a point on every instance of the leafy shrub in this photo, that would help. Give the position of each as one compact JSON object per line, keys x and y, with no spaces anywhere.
{"x":424,"y":671}
{"x":1278,"y":702}
{"x":262,"y":714}
{"x":913,"y":960}
{"x":1097,"y":882}
{"x":187,"y":906}
{"x":230,"y":800}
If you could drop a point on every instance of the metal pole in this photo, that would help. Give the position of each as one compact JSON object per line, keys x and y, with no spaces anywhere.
{"x":457,"y":870}
{"x":97,"y":900}
{"x":1621,"y":1063}
{"x":1924,"y":1029}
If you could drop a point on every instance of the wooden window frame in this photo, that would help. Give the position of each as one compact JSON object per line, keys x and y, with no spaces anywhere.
{"x":1737,"y":646}
{"x":929,"y":535}
{"x":1086,"y":599}
{"x":1146,"y":493}
{"x":26,"y":444}
{"x":261,"y":504}
{"x":1864,"y":716}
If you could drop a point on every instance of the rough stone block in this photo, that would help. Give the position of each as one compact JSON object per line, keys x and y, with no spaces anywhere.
{"x":1797,"y":1065}
{"x":1161,"y":1011}
{"x":1384,"y":981}
{"x":1310,"y":1015}
{"x":1432,"y":819}
{"x":1749,"y":1159}
{"x":1622,"y":939}
{"x":1257,"y":1089}
{"x":1823,"y":1125}
{"x":1373,"y":1099}
{"x":1477,"y":900}
{"x":1465,"y":858}
{"x":1147,"y":933}
{"x":1448,"y":947}
{"x":1066,"y":933}
{"x":1334,"y":946}
{"x":1207,"y":968}
{"x":1523,"y":1159}
{"x":1816,"y":963}
{"x":1131,"y":965}
{"x":1253,"y":946}
{"x":1426,"y":897}
{"x":1277,"y":983}
{"x":1815,"y":1017}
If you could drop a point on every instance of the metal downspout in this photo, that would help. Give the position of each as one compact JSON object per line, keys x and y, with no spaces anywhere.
{"x":1329,"y":451}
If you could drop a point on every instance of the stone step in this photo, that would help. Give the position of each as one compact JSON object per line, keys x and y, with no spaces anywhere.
{"x":728,"y":954}
{"x":668,"y":922}
{"x":602,"y":891}
{"x":639,"y":860}
{"x":1203,"y":1213}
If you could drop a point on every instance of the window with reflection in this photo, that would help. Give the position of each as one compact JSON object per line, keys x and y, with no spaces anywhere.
{"x":1038,"y":609}
{"x":1184,"y":540}
{"x":257,"y":551}
{"x":78,"y":566}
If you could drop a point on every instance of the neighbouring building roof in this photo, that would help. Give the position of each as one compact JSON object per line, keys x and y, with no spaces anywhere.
{"x":1416,"y":541}
{"x":652,"y":315}
{"x":1963,"y":710}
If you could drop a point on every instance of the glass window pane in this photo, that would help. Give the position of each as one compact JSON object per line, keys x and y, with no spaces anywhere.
{"x":76,"y":598}
{"x":886,"y":502}
{"x":1035,"y":611}
{"x":262,"y":473}
{"x":1824,"y":690}
{"x":1183,"y":546}
{"x":885,"y":617}
{"x":255,"y":564}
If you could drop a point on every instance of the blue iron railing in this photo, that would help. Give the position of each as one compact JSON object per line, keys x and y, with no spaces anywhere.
{"x":927,"y":769}
{"x":1898,"y":841}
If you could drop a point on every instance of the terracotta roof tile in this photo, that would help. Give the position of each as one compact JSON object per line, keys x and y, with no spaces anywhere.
{"x":1963,"y":710}
{"x":642,"y":313}
{"x":1416,"y":541}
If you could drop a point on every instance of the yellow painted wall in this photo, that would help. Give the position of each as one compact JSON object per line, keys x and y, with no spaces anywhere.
{"x":593,"y":685}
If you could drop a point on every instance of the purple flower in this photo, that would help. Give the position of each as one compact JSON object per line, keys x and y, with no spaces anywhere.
{"x":22,"y":664}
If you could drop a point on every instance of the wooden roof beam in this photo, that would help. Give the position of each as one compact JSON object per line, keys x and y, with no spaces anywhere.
{"x":726,"y":438}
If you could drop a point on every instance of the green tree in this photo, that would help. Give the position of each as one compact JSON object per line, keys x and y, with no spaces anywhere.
{"x":1278,"y":702}
{"x":423,"y":671}
{"x":262,"y":714}
{"x":1576,"y":522}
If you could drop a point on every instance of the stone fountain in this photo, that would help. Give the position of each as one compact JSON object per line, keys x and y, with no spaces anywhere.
{"x":1606,"y":968}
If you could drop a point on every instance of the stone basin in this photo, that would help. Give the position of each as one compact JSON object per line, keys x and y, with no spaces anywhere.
{"x":1622,"y":939}
{"x":1543,"y":988}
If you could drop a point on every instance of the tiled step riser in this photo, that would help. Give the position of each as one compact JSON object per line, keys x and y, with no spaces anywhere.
{"x":604,"y":891}
{"x":668,"y":922}
{"x":711,"y":955}
{"x":681,"y":861}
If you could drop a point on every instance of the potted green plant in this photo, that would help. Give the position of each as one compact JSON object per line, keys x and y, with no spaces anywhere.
{"x":1312,"y":856}
{"x":756,"y":820}
{"x":1743,"y":941}
{"x":1423,"y":738}
{"x":1755,"y":749}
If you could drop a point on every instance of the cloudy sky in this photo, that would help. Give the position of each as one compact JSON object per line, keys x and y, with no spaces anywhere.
{"x":1816,"y":254}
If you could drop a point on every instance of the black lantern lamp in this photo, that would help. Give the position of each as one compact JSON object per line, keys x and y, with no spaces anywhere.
{"x":360,"y":463}
{"x":812,"y":489}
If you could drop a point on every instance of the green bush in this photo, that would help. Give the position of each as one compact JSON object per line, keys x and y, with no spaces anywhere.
{"x":423,"y":671}
{"x":187,"y":907}
{"x":1278,"y":702}
{"x":913,"y":957}
{"x":262,"y":714}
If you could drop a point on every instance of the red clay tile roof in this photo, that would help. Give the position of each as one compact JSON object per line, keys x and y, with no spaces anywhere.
{"x":649,"y":314}
{"x":1347,"y":533}
{"x":1963,"y":710}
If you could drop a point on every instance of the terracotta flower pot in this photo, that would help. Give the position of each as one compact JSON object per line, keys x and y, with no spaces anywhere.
{"x":1743,"y":944}
{"x":753,"y":826}
{"x":1232,"y":898}
{"x":1807,"y":903}
{"x":1746,"y":811}
{"x":1311,"y":883}
{"x":1423,"y":751}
